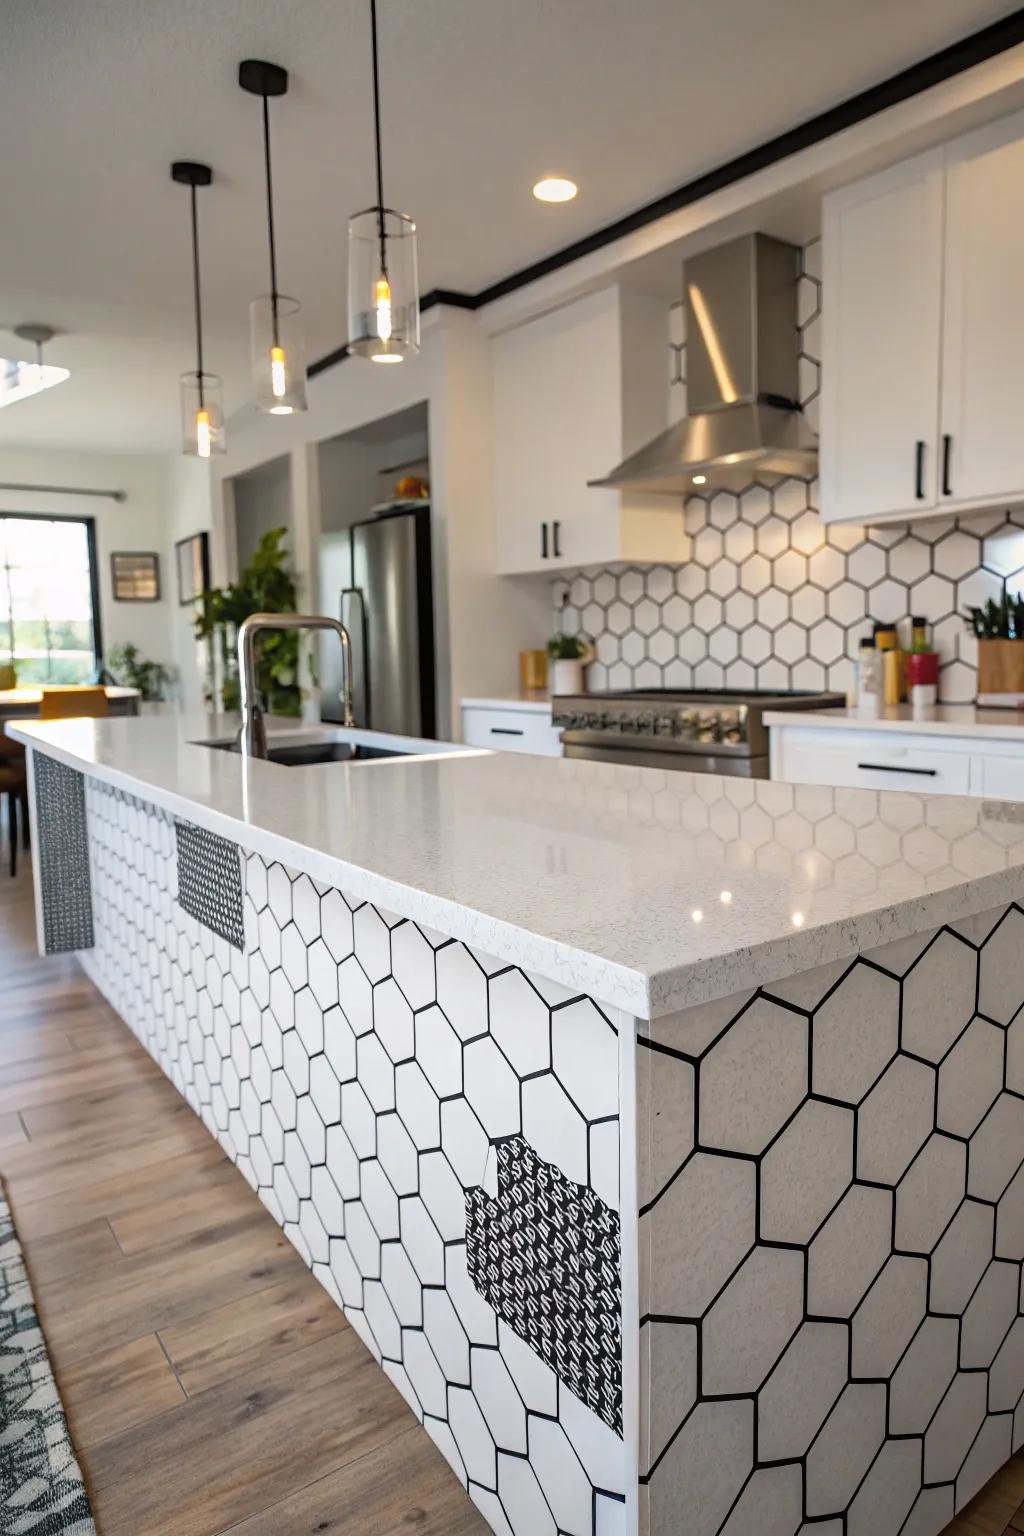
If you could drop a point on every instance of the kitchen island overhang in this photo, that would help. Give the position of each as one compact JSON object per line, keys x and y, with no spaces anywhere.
{"x":817,"y":1171}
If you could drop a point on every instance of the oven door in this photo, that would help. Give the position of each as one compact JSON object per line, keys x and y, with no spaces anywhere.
{"x":734,"y":766}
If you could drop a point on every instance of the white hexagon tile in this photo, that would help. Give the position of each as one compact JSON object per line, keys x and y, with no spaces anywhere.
{"x":831,"y":1182}
{"x":435,"y":1133}
{"x":771,"y":598}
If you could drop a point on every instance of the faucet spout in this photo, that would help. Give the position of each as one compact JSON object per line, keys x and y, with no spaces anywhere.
{"x":253,"y":734}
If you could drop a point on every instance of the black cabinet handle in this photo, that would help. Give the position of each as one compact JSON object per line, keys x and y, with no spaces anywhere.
{"x":919,"y":470}
{"x":921,"y":773}
{"x":555,"y":527}
{"x":543,"y":541}
{"x":504,"y":730}
{"x":947,"y":450}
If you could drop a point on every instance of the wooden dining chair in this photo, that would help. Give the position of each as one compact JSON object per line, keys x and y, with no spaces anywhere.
{"x":73,"y":703}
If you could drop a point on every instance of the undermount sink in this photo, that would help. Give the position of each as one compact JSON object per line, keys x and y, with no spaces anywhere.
{"x":301,"y":754}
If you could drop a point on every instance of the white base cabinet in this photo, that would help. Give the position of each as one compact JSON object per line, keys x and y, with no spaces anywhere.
{"x":887,"y":759}
{"x":510,"y":728}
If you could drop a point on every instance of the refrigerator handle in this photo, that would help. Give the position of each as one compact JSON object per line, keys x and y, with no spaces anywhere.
{"x":353,"y":616}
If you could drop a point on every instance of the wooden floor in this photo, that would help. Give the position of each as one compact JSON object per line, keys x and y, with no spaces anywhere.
{"x":210,"y":1384}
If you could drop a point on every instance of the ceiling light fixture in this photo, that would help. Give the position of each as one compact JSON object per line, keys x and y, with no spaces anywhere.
{"x":383,"y":286}
{"x":275,"y":329}
{"x":19,"y":379}
{"x":202,"y":411}
{"x":555,"y":189}
{"x":700,"y":480}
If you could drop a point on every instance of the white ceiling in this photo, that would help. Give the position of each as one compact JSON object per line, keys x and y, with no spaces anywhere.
{"x":631,"y":98}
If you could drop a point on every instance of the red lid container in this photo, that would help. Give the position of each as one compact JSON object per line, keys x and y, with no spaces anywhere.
{"x":922,"y":667}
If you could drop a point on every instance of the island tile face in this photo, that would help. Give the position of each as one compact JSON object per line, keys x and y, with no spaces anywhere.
{"x":210,"y":881}
{"x":831,"y":1179}
{"x":375,"y":1082}
{"x":65,"y":898}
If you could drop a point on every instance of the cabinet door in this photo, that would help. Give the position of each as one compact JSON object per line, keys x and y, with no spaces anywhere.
{"x":882,"y":297}
{"x":984,"y":314}
{"x":557,"y":424}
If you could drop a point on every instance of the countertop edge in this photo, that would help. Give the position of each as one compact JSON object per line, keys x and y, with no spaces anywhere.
{"x":1012,"y":729}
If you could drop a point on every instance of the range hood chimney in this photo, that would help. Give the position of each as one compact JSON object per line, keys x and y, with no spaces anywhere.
{"x":744,"y":422}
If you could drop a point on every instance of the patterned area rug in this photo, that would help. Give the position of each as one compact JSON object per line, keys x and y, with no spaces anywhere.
{"x":41,"y":1488}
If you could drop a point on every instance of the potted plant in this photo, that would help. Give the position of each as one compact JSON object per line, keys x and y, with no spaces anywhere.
{"x":568,"y":655}
{"x":265,"y":586}
{"x":999,"y":628}
{"x":130,"y":668}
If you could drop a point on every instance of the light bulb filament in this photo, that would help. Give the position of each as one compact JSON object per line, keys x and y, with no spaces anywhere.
{"x":203,"y":433}
{"x":382,"y":299}
{"x":278,"y":381}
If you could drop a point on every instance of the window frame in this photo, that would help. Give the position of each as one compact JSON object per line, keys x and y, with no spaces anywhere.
{"x":94,"y":566}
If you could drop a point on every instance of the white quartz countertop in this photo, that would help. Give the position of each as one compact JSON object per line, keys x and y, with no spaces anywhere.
{"x":536,"y":700}
{"x":939,"y":720}
{"x":647,"y":889}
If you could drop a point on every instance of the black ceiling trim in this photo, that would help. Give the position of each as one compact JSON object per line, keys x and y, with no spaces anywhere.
{"x":944,"y":65}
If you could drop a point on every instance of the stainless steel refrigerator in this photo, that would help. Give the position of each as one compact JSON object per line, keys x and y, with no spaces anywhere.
{"x":376,"y":577}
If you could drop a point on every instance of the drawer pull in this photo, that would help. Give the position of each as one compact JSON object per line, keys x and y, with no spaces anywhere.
{"x":922,"y":773}
{"x":504,"y":730}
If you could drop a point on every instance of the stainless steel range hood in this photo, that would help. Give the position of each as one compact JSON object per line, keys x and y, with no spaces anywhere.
{"x":744,"y":423}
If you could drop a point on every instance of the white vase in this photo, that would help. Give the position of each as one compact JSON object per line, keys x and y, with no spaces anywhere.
{"x":567,"y":676}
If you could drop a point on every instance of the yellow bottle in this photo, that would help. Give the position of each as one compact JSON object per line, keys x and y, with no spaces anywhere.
{"x":887,"y":641}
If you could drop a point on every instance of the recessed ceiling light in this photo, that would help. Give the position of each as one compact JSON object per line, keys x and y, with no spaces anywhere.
{"x":555,"y":189}
{"x":700,"y":480}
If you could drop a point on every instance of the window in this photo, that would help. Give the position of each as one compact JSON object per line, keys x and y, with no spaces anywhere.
{"x":49,"y":620}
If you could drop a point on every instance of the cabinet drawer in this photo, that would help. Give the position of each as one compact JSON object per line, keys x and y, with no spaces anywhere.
{"x":511,"y":730}
{"x":873,"y":762}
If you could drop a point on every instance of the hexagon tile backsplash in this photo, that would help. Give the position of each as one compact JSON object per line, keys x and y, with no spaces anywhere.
{"x":771,"y":597}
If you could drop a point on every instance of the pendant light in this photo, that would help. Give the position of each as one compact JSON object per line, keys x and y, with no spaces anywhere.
{"x":275,"y":328}
{"x":202,"y":409}
{"x":383,"y":296}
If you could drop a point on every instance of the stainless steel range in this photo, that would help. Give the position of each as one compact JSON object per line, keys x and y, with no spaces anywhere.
{"x":700,"y":730}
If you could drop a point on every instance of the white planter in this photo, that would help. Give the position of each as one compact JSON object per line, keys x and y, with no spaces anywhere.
{"x":567,"y":677}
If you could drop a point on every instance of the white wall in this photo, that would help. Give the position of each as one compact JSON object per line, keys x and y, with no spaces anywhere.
{"x":187,"y":509}
{"x":262,"y":502}
{"x":135,"y":524}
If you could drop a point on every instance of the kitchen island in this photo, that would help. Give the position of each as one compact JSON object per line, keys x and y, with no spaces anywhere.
{"x":661,"y":1135}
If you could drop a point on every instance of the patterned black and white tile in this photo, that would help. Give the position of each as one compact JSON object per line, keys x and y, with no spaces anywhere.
{"x":388,"y":1091}
{"x":832,"y":1236}
{"x":773,"y":598}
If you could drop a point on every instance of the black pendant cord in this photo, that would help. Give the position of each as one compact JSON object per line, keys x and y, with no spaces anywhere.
{"x":198,"y":301}
{"x":270,"y":218}
{"x":376,"y":134}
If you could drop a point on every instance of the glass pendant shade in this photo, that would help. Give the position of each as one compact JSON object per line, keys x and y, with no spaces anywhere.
{"x":202,"y":415}
{"x":278,"y":354}
{"x":383,"y":286}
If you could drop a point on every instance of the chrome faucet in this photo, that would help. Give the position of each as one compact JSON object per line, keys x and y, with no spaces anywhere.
{"x":252,"y":737}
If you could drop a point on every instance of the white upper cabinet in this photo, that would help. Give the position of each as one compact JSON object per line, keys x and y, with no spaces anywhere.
{"x":574,"y":392}
{"x":983,"y":337}
{"x":882,"y":305}
{"x":923,"y":333}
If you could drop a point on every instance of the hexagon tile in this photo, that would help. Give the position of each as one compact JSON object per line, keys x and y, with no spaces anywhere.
{"x":379,"y":1084}
{"x":771,"y":597}
{"x":831,"y":1185}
